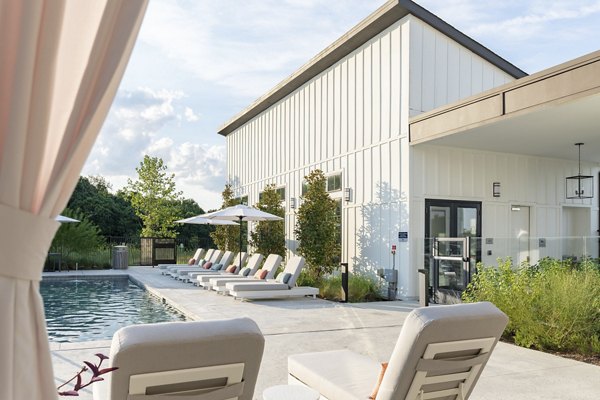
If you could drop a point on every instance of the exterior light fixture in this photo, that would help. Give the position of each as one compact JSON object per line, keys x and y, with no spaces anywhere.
{"x":496,"y":189}
{"x":347,"y":194}
{"x":292,"y":202}
{"x":580,"y":186}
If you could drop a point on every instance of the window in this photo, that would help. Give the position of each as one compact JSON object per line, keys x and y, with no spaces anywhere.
{"x":242,"y":200}
{"x":334,"y":182}
{"x":280,"y":191}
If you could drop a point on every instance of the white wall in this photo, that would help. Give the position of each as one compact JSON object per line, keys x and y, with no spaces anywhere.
{"x":459,"y":174}
{"x":353,"y":118}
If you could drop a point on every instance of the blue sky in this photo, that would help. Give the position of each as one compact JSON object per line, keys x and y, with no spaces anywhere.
{"x":197,"y":63}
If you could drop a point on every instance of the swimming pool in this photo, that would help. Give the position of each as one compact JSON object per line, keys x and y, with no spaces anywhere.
{"x":79,"y":310}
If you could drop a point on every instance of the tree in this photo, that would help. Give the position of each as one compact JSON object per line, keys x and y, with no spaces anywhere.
{"x":191,"y":234}
{"x":111,"y":213}
{"x":76,"y":239}
{"x":153,"y":197}
{"x":268,"y":237}
{"x":317,"y":227}
{"x":227,"y":237}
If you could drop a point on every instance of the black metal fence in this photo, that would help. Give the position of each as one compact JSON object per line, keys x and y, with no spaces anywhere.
{"x":101,"y":257}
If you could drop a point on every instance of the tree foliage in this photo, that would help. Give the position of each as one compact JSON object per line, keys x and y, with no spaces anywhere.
{"x":76,"y":238}
{"x":112,"y":214}
{"x":154,"y":197}
{"x":194,"y":235}
{"x":227,"y":237}
{"x":317,"y":227}
{"x":268,"y":237}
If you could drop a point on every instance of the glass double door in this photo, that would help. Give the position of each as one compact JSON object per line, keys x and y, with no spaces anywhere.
{"x":451,"y":259}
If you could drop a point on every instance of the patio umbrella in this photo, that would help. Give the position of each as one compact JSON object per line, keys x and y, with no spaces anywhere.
{"x":242,"y":213}
{"x":65,"y":220}
{"x":62,"y":62}
{"x":202,"y":220}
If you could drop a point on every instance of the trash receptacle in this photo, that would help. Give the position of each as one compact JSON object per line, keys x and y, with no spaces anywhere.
{"x":120,"y":257}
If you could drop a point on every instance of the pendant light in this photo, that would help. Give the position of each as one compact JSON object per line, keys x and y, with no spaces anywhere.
{"x":580,"y":186}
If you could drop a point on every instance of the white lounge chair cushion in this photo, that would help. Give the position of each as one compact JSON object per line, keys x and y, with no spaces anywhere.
{"x":251,"y":286}
{"x":354,"y":378}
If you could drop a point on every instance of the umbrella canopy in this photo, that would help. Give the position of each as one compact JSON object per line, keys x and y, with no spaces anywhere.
{"x":242,"y":213}
{"x":65,"y":220}
{"x":202,"y":220}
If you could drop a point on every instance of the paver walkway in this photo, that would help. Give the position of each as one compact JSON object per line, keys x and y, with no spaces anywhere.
{"x":303,"y":325}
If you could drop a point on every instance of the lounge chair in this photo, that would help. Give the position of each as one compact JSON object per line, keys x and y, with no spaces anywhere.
{"x":270,"y":266}
{"x":200,"y":261}
{"x":440,"y":354}
{"x":249,"y":270}
{"x":197,"y":257}
{"x":282,"y":286}
{"x":225,"y":262}
{"x":216,"y":256}
{"x":232,"y":270}
{"x":201,"y":360}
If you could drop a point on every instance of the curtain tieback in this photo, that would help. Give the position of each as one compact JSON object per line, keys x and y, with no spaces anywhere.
{"x":25,"y":239}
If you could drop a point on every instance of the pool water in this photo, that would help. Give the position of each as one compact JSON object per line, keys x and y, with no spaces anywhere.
{"x":94,"y":309}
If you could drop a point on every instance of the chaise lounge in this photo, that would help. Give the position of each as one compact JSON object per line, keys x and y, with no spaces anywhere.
{"x":440,"y":354}
{"x":266,"y":272}
{"x":197,"y":257}
{"x":282,"y":286}
{"x":248,"y":270}
{"x":221,"y":265}
{"x":203,"y":360}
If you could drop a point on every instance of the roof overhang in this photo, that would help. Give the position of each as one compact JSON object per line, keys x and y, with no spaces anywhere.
{"x":385,"y":16}
{"x":544,"y":114}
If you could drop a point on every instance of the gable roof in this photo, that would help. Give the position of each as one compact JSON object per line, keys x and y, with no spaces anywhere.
{"x":386,"y":15}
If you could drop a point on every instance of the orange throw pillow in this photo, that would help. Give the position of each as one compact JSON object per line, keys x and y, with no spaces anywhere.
{"x":231,"y":269}
{"x":379,"y":379}
{"x":207,"y":265}
{"x":192,"y":261}
{"x":261,"y":274}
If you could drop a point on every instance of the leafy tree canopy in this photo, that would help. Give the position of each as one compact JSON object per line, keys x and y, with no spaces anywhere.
{"x":80,"y":237}
{"x":194,"y":235}
{"x":154,"y":198}
{"x":227,"y":237}
{"x":268,"y":237}
{"x":317,"y":227}
{"x":112,"y":214}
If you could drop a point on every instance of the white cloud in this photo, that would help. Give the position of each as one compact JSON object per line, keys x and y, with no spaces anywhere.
{"x":138,"y":124}
{"x":190,"y":116}
{"x":223,"y":42}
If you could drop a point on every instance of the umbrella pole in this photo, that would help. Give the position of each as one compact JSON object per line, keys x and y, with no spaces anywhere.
{"x":239,"y":254}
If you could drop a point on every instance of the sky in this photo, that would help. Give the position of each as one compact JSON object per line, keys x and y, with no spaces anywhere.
{"x":198,"y":63}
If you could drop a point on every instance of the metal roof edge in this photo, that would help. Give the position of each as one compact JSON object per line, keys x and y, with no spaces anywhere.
{"x":386,"y":15}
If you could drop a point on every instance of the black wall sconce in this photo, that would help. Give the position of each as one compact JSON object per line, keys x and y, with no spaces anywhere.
{"x":347,"y":194}
{"x":496,"y":189}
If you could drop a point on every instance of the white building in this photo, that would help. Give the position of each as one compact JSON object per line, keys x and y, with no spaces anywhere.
{"x":417,"y":125}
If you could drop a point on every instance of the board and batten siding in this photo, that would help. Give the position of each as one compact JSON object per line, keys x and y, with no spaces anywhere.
{"x":440,"y":172}
{"x":353,"y":118}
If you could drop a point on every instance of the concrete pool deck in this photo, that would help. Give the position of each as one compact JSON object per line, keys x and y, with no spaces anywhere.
{"x":302,"y":325}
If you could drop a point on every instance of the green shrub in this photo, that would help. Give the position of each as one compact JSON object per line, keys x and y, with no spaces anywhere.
{"x":554,"y":305}
{"x":361,"y":288}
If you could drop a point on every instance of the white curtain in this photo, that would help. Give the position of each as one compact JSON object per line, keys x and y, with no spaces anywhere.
{"x":61,"y":62}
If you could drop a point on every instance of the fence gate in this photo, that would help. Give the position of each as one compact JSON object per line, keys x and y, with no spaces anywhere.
{"x":451,"y":268}
{"x":156,"y":251}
